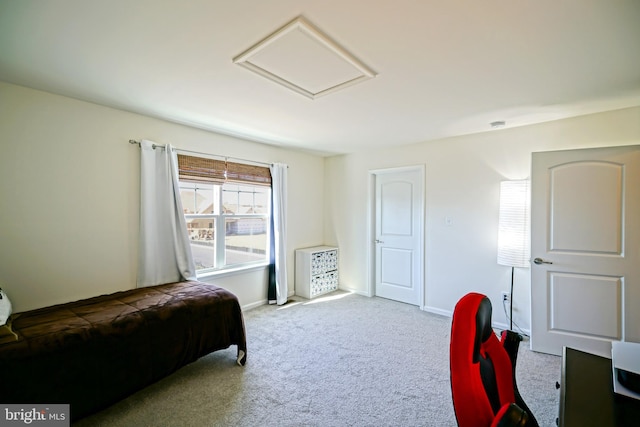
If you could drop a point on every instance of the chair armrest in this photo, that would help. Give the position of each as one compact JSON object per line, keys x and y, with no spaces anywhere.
{"x":510,"y":415}
{"x":511,"y":342}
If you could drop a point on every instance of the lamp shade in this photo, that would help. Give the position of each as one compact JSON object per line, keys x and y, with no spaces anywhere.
{"x":514,"y":224}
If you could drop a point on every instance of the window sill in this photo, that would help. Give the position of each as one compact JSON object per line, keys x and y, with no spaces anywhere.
{"x":231,"y":271}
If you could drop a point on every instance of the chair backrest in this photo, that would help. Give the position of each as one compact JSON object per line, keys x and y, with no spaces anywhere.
{"x":481,"y":370}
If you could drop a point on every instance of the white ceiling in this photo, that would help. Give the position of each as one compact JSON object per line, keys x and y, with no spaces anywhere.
{"x":443,"y":67}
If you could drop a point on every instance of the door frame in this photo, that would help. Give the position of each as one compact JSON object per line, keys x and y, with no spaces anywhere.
{"x":371,"y":228}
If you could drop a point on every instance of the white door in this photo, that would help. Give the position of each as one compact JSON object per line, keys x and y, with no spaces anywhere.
{"x":585,"y":249}
{"x":399,"y":212}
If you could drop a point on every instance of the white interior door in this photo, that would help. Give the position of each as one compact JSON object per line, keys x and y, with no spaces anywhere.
{"x":399,"y":212}
{"x":585,"y":249}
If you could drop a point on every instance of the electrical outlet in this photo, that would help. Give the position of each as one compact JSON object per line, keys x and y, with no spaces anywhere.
{"x":505,"y":296}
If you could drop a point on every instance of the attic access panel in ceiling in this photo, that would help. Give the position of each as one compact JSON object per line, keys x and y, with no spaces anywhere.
{"x":303,"y":59}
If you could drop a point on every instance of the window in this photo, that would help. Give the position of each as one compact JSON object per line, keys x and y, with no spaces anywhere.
{"x":227,"y":219}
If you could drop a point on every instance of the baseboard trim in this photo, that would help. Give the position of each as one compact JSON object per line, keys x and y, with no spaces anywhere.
{"x":496,"y":325}
{"x":354,"y":291}
{"x":254,"y":305}
{"x":437,"y":311}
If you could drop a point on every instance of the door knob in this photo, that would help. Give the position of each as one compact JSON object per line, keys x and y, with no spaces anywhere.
{"x":539,"y":261}
{"x":379,"y":241}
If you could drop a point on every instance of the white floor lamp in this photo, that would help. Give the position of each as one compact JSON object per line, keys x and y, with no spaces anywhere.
{"x":513,"y":230}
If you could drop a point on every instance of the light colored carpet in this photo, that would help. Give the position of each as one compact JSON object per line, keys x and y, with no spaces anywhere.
{"x":340,"y":360}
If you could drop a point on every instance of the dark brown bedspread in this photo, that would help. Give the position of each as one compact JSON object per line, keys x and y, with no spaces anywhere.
{"x":94,"y":352}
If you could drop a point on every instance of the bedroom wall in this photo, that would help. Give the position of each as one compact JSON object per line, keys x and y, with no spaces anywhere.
{"x":463,"y":176}
{"x":69,"y":185}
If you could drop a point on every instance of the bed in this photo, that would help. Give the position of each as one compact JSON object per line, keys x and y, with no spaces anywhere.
{"x":94,"y":352}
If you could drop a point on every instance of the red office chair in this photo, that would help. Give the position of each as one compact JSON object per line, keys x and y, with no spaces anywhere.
{"x":483,"y":380}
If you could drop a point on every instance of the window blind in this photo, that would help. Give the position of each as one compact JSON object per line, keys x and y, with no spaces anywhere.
{"x":203,"y":169}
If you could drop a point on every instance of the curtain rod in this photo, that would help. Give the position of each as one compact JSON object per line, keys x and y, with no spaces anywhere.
{"x":133,"y":141}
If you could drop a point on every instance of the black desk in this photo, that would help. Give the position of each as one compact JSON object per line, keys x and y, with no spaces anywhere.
{"x":587,"y":397}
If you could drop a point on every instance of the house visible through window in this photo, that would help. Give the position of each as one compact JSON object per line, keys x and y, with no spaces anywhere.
{"x":227,"y":211}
